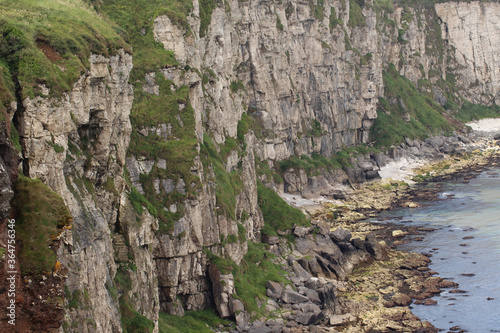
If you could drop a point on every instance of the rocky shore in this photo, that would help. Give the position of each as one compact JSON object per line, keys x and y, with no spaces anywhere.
{"x":346,"y":274}
{"x":380,"y":294}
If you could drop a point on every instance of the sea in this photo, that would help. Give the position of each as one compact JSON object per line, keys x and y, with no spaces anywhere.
{"x":465,"y":248}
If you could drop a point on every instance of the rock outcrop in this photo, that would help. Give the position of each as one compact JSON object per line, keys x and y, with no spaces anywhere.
{"x":254,"y":85}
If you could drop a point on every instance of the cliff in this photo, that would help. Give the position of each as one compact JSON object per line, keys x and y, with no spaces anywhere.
{"x":165,"y":126}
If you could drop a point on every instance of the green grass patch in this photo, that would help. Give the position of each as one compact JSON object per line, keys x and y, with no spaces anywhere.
{"x":278,"y":215}
{"x":193,"y":322}
{"x":228,"y":184}
{"x":245,"y":124}
{"x":333,"y":20}
{"x":279,"y":25}
{"x":41,"y":214}
{"x":133,"y":321}
{"x":469,"y":112}
{"x":14,"y":137}
{"x":425,"y":114}
{"x":57,"y":148}
{"x":237,"y":85}
{"x":316,"y":162}
{"x":49,"y":42}
{"x":356,"y":17}
{"x":110,"y":186}
{"x":6,"y":89}
{"x":206,"y":9}
{"x":139,"y":201}
{"x":137,"y":17}
{"x":318,"y":9}
{"x":251,"y":275}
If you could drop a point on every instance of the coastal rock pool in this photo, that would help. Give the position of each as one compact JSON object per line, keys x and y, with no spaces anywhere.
{"x":465,"y":248}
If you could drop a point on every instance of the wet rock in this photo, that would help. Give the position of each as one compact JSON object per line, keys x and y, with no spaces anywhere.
{"x":430,"y":301}
{"x":372,"y":174}
{"x":458,"y":291}
{"x":448,"y":284}
{"x":399,"y":233}
{"x":401,"y":299}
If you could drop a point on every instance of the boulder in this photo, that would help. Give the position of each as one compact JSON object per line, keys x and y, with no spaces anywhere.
{"x":293,"y":297}
{"x":373,"y":174}
{"x":338,"y":320}
{"x":274,"y":289}
{"x":309,"y":318}
{"x":271,"y":240}
{"x":380,"y":159}
{"x":324,"y":228}
{"x":496,"y":137}
{"x":365,"y":166}
{"x":341,"y":235}
{"x":401,"y":299}
{"x":375,"y":248}
{"x":301,"y":231}
{"x":223,"y":287}
{"x":313,"y":295}
{"x":449,"y":149}
{"x":300,"y":272}
{"x":466,"y":140}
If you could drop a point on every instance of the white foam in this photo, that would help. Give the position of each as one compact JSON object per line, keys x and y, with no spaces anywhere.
{"x":485,"y":125}
{"x":401,"y":169}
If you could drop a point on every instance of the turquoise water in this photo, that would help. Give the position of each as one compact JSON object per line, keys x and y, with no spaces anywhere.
{"x":468,"y":210}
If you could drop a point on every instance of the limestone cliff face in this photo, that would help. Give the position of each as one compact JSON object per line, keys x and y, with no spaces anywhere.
{"x":310,"y":79}
{"x":472,"y":30}
{"x":294,"y":67}
{"x":77,"y":146}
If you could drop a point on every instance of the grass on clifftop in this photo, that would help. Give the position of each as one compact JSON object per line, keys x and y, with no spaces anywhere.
{"x":404,"y":99}
{"x":137,"y":18}
{"x":49,"y":42}
{"x":41,"y":214}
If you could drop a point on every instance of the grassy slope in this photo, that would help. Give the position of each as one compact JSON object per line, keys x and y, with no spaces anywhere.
{"x":403,"y":98}
{"x":49,"y":42}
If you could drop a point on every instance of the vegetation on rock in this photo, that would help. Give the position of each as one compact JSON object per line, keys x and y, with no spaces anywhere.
{"x":41,"y":217}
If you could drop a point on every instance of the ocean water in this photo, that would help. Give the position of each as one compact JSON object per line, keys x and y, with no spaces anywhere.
{"x":467,"y":210}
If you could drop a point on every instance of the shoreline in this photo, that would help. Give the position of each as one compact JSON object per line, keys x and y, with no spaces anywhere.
{"x":380,"y":294}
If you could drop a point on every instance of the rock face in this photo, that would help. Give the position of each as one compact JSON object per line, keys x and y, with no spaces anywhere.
{"x":473,"y":31}
{"x":77,"y":145}
{"x":307,"y":77}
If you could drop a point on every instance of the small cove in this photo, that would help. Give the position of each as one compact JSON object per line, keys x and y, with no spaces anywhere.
{"x":465,"y":248}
